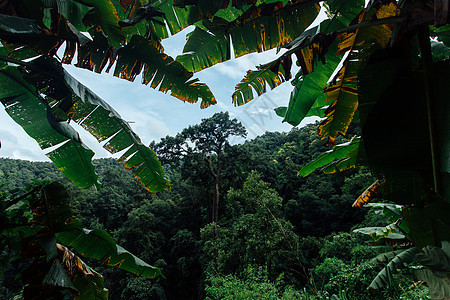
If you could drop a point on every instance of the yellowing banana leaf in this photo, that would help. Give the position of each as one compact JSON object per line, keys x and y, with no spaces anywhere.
{"x":159,"y":70}
{"x":260,"y":28}
{"x":390,"y":232}
{"x":272,"y":74}
{"x":343,"y":93}
{"x":27,"y":108}
{"x":367,"y":195}
{"x":138,"y":55}
{"x":89,"y":283}
{"x":97,"y":244}
{"x":279,"y":70}
{"x":338,"y":152}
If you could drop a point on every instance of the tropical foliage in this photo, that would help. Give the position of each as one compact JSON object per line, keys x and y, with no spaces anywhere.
{"x":384,"y":65}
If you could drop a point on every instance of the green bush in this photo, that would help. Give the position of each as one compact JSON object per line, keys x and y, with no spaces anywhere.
{"x":252,"y":284}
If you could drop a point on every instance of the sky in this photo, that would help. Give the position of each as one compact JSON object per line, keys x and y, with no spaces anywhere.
{"x":154,"y":115}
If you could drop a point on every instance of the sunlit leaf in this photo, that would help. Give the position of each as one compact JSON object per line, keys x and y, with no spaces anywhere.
{"x":159,"y":70}
{"x":309,"y":88}
{"x":338,"y":152}
{"x":140,"y":55}
{"x":390,"y":232}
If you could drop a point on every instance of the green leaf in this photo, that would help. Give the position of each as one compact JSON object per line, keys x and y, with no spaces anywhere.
{"x":390,"y":232}
{"x":281,"y":111}
{"x":72,"y":10}
{"x":51,"y":210}
{"x":385,"y":257}
{"x":56,"y":276}
{"x":25,"y":106}
{"x":258,"y":29}
{"x":346,"y":10}
{"x":161,"y":71}
{"x":309,"y":88}
{"x":439,"y":51}
{"x":98,"y":244}
{"x":139,"y":55}
{"x":439,"y":286}
{"x":442,"y":33}
{"x":437,"y":271}
{"x":103,"y":122}
{"x":108,"y":20}
{"x":396,"y":263}
{"x":338,"y":152}
{"x":272,"y":74}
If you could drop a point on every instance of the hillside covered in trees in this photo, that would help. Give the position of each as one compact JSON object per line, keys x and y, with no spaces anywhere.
{"x":277,"y":235}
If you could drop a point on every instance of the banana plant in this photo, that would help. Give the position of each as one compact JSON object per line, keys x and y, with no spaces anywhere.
{"x":41,"y":227}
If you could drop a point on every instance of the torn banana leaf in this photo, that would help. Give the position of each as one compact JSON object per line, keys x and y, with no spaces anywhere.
{"x":104,"y":123}
{"x":272,"y":74}
{"x":341,"y":154}
{"x":139,"y":55}
{"x":97,"y":244}
{"x":160,"y":70}
{"x":259,"y":29}
{"x":342,"y":94}
{"x":89,"y":283}
{"x":278,"y":71}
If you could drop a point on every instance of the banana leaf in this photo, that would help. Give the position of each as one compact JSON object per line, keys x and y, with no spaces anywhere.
{"x":342,"y":151}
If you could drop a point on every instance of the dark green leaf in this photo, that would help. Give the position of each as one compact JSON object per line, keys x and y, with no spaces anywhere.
{"x":338,"y":152}
{"x":310,"y":87}
{"x":99,"y":245}
{"x":25,"y":106}
{"x":258,"y":29}
{"x":103,"y":122}
{"x":396,"y":263}
{"x":271,"y":74}
{"x":439,"y":51}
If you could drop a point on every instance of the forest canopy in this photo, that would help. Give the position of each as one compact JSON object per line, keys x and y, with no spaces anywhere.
{"x":376,"y":73}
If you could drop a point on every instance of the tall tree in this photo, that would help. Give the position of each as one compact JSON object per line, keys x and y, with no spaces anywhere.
{"x":208,"y":139}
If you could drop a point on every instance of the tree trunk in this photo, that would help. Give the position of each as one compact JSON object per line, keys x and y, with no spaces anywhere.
{"x":215,"y":217}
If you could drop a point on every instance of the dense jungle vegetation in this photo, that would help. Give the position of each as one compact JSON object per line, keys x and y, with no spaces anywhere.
{"x":278,"y":236}
{"x":230,"y":221}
